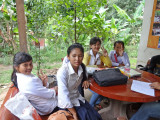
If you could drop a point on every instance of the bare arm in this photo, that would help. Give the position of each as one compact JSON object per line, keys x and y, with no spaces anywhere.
{"x":74,"y":113}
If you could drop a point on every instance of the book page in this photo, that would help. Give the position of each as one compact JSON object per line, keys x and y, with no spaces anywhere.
{"x":142,"y":87}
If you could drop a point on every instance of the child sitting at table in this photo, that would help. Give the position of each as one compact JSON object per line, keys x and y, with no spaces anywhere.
{"x":147,"y":110}
{"x":118,"y":56}
{"x":44,"y":100}
{"x":69,"y":77}
{"x":94,"y":57}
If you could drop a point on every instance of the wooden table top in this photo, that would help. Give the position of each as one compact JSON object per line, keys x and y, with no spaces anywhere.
{"x":124,"y":93}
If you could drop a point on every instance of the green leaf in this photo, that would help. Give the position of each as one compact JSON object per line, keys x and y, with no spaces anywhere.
{"x":14,"y":18}
{"x":1,"y":3}
{"x":121,"y":12}
{"x":7,"y":16}
{"x":1,"y":14}
{"x":97,"y":15}
{"x":15,"y":30}
{"x":138,"y":12}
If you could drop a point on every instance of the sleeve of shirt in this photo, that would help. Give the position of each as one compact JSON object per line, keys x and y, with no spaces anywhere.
{"x":36,"y":88}
{"x":63,"y":93}
{"x":86,"y":59}
{"x":111,"y":56}
{"x":125,"y":59}
{"x":106,"y":60}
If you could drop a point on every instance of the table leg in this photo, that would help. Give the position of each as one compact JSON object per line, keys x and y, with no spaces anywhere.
{"x":115,"y":109}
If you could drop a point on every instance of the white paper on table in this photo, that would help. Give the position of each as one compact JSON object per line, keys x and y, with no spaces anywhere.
{"x":142,"y":87}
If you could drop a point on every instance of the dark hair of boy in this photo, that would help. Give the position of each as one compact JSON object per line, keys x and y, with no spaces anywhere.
{"x":120,"y":42}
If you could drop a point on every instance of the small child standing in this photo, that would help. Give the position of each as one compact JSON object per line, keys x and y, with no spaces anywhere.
{"x":44,"y":100}
{"x":118,"y":56}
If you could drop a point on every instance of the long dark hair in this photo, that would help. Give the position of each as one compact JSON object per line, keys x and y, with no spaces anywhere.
{"x":18,"y":59}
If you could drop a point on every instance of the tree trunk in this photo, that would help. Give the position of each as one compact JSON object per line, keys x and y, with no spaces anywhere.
{"x":21,"y":25}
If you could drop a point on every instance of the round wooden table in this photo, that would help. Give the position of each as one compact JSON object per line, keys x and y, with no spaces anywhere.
{"x":121,"y":95}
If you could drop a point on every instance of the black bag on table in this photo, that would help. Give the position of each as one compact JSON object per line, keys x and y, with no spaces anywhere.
{"x":109,"y":77}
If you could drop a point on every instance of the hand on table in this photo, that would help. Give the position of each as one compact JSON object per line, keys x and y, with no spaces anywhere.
{"x":43,"y":77}
{"x":120,"y":65}
{"x":155,"y":85}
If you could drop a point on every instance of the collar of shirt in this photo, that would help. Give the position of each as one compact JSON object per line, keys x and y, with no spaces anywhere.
{"x":115,"y":53}
{"x":71,"y":70}
{"x":20,"y":74}
{"x":97,"y":55}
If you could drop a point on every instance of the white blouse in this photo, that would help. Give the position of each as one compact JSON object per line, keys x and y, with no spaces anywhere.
{"x":44,"y":100}
{"x":94,"y":59}
{"x":68,"y":82}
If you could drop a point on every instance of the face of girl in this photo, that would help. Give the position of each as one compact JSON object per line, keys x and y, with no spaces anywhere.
{"x":25,"y":68}
{"x":118,"y":48}
{"x":75,"y":57}
{"x":95,"y":47}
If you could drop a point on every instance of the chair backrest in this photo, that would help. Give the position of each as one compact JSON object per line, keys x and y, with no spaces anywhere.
{"x":5,"y":114}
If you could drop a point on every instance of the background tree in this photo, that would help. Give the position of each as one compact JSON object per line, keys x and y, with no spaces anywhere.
{"x":21,"y":25}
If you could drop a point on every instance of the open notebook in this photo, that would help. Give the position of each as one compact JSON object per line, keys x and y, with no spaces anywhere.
{"x":132,"y":72}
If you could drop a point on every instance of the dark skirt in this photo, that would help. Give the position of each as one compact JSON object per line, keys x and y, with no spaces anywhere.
{"x":86,"y":112}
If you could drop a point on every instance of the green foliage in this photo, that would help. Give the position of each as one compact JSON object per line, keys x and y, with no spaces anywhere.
{"x":5,"y":59}
{"x":55,"y":21}
{"x":5,"y":76}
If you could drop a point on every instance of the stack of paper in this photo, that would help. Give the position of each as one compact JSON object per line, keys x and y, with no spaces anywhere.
{"x":131,"y":73}
{"x":142,"y":87}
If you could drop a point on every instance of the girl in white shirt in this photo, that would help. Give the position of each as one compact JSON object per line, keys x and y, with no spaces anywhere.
{"x":44,"y":100}
{"x":69,"y":77}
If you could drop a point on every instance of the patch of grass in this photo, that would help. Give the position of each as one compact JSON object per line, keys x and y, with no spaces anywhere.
{"x":133,"y":62}
{"x":5,"y":76}
{"x":132,"y":51}
{"x":6,"y":60}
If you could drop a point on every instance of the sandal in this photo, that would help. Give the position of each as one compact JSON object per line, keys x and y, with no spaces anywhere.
{"x":98,"y":107}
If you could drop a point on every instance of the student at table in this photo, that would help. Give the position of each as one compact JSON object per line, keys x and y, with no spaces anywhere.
{"x":147,"y":110}
{"x":69,"y":77}
{"x":118,"y":56}
{"x":154,"y":66}
{"x":43,"y":99}
{"x":94,"y":57}
{"x":80,"y":88}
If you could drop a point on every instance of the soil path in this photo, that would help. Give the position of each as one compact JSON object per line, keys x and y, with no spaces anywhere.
{"x":4,"y":87}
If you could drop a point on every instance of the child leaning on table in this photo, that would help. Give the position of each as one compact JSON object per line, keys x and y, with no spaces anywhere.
{"x":118,"y":56}
{"x":44,"y":100}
